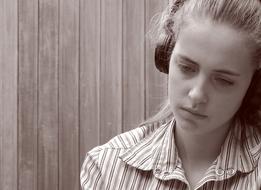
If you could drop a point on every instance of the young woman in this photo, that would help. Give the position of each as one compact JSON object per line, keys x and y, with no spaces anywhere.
{"x":207,"y":136}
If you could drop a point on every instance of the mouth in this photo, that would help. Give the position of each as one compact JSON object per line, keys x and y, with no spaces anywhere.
{"x":194,"y":113}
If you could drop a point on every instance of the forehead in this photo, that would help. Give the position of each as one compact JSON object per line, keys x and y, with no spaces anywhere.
{"x":214,"y":45}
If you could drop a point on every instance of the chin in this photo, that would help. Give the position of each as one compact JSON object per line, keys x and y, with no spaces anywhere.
{"x":186,"y":124}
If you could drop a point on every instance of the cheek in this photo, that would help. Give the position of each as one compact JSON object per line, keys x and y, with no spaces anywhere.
{"x":227,"y":106}
{"x":176,"y":88}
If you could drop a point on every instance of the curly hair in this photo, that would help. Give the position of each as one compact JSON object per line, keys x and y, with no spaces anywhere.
{"x":245,"y":16}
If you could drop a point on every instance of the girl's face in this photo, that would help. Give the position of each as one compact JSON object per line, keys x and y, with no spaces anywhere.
{"x":210,"y":72}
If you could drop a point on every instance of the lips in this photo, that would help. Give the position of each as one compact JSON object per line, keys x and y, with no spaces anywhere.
{"x":194,"y":113}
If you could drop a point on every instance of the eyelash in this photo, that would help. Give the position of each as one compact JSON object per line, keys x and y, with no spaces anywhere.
{"x":186,"y":69}
{"x":225,"y":82}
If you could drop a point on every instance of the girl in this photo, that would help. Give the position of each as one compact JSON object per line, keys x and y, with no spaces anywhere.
{"x":207,"y":136}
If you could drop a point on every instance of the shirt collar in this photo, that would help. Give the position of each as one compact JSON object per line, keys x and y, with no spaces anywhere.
{"x":158,"y":150}
{"x":241,"y":149}
{"x":150,"y":151}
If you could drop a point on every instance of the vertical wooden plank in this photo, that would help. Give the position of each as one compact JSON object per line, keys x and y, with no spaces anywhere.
{"x":8,"y":94}
{"x":111,"y":69}
{"x":156,"y":82}
{"x":133,"y":63}
{"x":28,"y":57}
{"x":48,"y":96}
{"x":68,"y":95}
{"x":89,"y":75}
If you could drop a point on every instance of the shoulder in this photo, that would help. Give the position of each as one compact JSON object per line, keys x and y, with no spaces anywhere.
{"x":121,"y":142}
{"x":130,"y":138}
{"x":102,"y":160}
{"x":98,"y":161}
{"x":255,"y":149}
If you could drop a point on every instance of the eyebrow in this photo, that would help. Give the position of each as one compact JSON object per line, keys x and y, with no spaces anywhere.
{"x":185,"y":58}
{"x":222,"y":71}
{"x":227,"y":72}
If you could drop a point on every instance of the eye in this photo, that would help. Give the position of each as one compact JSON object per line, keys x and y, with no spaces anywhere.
{"x":224,"y":82}
{"x":187,"y":69}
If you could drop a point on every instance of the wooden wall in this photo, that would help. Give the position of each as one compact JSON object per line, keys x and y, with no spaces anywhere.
{"x":73,"y":74}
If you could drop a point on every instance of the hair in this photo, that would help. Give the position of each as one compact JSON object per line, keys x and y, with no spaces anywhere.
{"x":243,"y":15}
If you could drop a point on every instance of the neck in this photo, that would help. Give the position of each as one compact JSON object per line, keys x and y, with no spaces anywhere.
{"x":200,"y":148}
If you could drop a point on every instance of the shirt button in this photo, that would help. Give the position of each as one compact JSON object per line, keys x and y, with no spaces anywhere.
{"x":220,"y":171}
{"x":166,"y":173}
{"x":231,"y":171}
{"x":158,"y":171}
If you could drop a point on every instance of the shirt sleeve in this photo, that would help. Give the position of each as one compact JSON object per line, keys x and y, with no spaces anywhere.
{"x":90,"y":176}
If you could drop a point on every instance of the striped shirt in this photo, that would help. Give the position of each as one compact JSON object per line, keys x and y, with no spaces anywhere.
{"x":146,"y":159}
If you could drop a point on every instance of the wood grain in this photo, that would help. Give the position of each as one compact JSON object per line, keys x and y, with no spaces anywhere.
{"x":74,"y":73}
{"x":27,"y":95}
{"x":8,"y":94}
{"x":89,"y":75}
{"x":48,"y":96}
{"x":133,"y":63}
{"x":69,"y":95}
{"x":111,"y":69}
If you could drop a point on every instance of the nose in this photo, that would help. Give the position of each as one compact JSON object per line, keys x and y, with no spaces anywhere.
{"x":198,"y":94}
